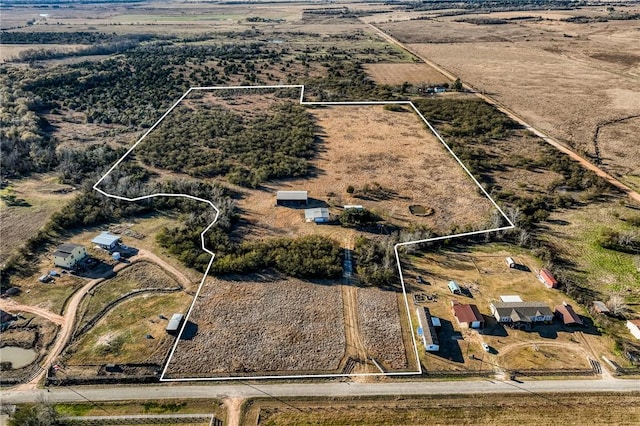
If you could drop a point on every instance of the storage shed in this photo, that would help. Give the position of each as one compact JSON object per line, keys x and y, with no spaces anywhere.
{"x":600,"y":307}
{"x":106,"y":240}
{"x":510,"y":262}
{"x":317,"y":215}
{"x":296,"y":198}
{"x":634,"y":327}
{"x":454,"y":287}
{"x":548,"y":279}
{"x":174,"y":324}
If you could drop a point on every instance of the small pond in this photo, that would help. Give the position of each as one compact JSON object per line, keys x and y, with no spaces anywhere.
{"x":18,"y":357}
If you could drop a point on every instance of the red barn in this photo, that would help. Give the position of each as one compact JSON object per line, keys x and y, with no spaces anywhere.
{"x":548,"y":279}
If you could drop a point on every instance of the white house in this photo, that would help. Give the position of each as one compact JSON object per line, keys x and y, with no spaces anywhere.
{"x":634,"y":327}
{"x":68,"y":255}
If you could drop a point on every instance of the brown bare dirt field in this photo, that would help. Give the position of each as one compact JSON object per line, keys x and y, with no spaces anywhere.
{"x":563,"y":78}
{"x":613,"y":140}
{"x":381,"y":329}
{"x":486,"y":409}
{"x":43,"y":196}
{"x":365,"y":145}
{"x":257,"y":327}
{"x":395,"y":74}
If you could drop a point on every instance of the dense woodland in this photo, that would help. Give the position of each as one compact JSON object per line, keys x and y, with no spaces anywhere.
{"x":208,"y":142}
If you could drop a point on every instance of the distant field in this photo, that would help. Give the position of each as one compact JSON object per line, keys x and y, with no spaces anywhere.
{"x":397,"y":74}
{"x":487,"y":409}
{"x":564,"y":78}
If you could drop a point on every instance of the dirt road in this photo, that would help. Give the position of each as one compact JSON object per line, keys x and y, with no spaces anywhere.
{"x":68,"y":321}
{"x":551,"y":141}
{"x":14,"y":307}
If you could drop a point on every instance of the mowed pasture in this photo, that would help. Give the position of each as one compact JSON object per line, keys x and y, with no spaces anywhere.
{"x":366,"y":145}
{"x":397,"y":74}
{"x":261,"y":327}
{"x":564,"y":78}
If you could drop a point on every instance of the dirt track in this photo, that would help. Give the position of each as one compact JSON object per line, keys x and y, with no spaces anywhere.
{"x":68,"y":321}
{"x":553,"y":142}
{"x":11,"y":306}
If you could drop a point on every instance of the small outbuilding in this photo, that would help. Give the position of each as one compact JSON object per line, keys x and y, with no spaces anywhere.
{"x":468,"y":316}
{"x":634,"y":327}
{"x":288,"y":198}
{"x":106,"y":240}
{"x":68,"y":255}
{"x":174,"y":324}
{"x":454,"y":287}
{"x":547,"y":278}
{"x":427,"y":331}
{"x":317,"y":215}
{"x":352,"y":207}
{"x":567,"y":315}
{"x":600,"y":307}
{"x":510,"y":262}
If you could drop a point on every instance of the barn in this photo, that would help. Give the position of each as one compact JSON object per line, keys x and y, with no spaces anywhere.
{"x":292,"y":198}
{"x":68,"y":255}
{"x":547,"y":278}
{"x":317,"y":215}
{"x":568,"y":316}
{"x":468,"y":316}
{"x":106,"y":240}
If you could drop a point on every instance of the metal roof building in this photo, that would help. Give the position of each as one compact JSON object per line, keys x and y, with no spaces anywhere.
{"x":426,"y":330}
{"x":292,"y":197}
{"x":106,"y":240}
{"x":174,"y":323}
{"x":568,"y":316}
{"x":467,"y":315}
{"x":317,"y":215}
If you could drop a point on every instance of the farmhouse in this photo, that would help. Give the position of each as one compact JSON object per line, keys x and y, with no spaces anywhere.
{"x":68,"y":255}
{"x":317,"y":215}
{"x":568,"y":316}
{"x":295,"y":198}
{"x":548,"y":279}
{"x":634,"y":327}
{"x":468,"y":316}
{"x":454,"y":287}
{"x":174,"y":324}
{"x":427,"y":331}
{"x":106,"y":240}
{"x":521,"y":314}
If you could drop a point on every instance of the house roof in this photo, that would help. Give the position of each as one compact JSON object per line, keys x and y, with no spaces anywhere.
{"x":316,"y":213}
{"x":105,"y":239}
{"x":467,"y":313}
{"x":513,"y":298}
{"x":65,"y":250}
{"x":428,"y":330}
{"x":522,"y":311}
{"x":292,"y":195}
{"x":569,"y":316}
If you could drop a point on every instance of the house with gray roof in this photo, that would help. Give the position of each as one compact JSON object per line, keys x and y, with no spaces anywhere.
{"x":521,"y":314}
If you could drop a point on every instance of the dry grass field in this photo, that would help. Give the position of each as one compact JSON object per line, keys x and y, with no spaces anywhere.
{"x":257,"y":327}
{"x":397,"y":74}
{"x":365,"y":145}
{"x":564,"y":78}
{"x":121,"y":336}
{"x":484,"y":272}
{"x":42,"y":196}
{"x":486,"y":409}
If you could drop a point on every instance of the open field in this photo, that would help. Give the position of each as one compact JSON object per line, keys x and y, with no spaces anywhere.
{"x":397,"y":74}
{"x":518,"y":64}
{"x":168,"y":406}
{"x":258,"y":327}
{"x":140,"y":276}
{"x":450,"y":410}
{"x":38,"y":197}
{"x":484,"y":272}
{"x":120,"y":336}
{"x":367,"y":145}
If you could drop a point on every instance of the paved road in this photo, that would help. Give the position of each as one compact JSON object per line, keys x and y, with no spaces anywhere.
{"x":336,"y":389}
{"x":511,"y":114}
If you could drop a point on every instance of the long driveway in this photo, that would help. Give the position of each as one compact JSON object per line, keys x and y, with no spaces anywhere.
{"x":337,"y":389}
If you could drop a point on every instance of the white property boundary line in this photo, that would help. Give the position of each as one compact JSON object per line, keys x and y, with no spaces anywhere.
{"x":195,"y":298}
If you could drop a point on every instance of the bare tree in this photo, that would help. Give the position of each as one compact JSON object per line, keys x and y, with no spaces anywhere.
{"x":617,"y":305}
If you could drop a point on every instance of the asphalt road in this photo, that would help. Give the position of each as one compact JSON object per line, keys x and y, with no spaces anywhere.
{"x":335,"y":389}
